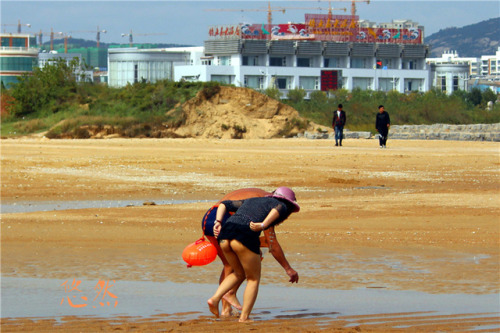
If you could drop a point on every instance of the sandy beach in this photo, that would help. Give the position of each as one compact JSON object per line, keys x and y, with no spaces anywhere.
{"x":418,"y":217}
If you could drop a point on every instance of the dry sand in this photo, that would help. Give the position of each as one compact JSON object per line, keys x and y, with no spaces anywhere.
{"x":430,"y":206}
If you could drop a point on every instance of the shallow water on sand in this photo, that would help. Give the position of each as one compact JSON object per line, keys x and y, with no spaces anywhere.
{"x":40,"y":206}
{"x":35,"y":297}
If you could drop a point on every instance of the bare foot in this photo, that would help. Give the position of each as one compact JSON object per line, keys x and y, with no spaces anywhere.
{"x":226,"y":310}
{"x":248,"y":320}
{"x":213,"y":307}
{"x":233,"y":301}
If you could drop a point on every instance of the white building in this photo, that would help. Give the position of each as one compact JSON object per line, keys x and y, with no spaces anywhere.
{"x":310,"y":65}
{"x":452,"y":57}
{"x":324,"y":53}
{"x":51,"y":58}
{"x":450,"y":77}
{"x":490,"y":65}
{"x":131,"y":65}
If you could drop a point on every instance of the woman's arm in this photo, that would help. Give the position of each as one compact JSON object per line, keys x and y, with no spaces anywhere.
{"x":279,"y":255}
{"x":221,"y":211}
{"x":270,"y":218}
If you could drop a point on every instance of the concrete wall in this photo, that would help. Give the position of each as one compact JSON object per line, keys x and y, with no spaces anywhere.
{"x":476,"y":132}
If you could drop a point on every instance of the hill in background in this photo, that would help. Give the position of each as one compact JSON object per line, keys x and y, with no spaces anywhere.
{"x":79,"y":43}
{"x":473,"y":40}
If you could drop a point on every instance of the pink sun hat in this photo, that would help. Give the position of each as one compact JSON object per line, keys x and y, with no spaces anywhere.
{"x":286,"y":193}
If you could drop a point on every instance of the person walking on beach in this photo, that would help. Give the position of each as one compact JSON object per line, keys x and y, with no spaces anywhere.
{"x":207,"y":224}
{"x":239,"y":240}
{"x":382,"y":124}
{"x":338,"y":123}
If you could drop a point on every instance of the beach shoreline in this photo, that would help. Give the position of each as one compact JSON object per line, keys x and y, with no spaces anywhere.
{"x":419,"y":216}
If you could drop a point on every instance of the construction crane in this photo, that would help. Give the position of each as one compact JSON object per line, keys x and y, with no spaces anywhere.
{"x":98,"y":34}
{"x":131,"y":36}
{"x":66,"y":37}
{"x":18,"y":25}
{"x":330,"y":9}
{"x":52,"y":34}
{"x":353,"y":4}
{"x":270,"y":10}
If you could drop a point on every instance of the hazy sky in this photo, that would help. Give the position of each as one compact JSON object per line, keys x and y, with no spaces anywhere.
{"x":187,"y":22}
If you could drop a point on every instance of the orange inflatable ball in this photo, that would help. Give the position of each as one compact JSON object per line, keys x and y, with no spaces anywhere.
{"x":199,"y":253}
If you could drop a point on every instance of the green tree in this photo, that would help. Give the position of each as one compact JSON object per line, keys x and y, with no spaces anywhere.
{"x":47,"y":89}
{"x":296,"y":95}
{"x":475,"y":96}
{"x":273,"y":93}
{"x":488,"y":96}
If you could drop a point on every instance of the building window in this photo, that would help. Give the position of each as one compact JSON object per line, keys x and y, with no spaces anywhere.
{"x":360,"y":63}
{"x":224,"y":61}
{"x":19,"y":42}
{"x":386,"y":63}
{"x":250,"y":61}
{"x":309,"y":82}
{"x":413,"y":84}
{"x":455,"y":83}
{"x":442,"y":83}
{"x":410,"y":64}
{"x":254,"y":81}
{"x":333,"y":62}
{"x":221,"y":78}
{"x":386,"y":84}
{"x":277,"y":61}
{"x":303,"y":62}
{"x":283,"y":82}
{"x":18,"y":63}
{"x":364,"y":83}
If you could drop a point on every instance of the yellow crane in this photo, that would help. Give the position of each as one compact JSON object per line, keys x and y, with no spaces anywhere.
{"x":53,"y":35}
{"x":353,"y":4}
{"x":97,"y":32}
{"x":131,"y":34}
{"x":19,"y":24}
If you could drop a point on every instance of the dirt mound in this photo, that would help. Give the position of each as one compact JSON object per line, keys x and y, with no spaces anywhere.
{"x":217,"y":112}
{"x":238,"y":113}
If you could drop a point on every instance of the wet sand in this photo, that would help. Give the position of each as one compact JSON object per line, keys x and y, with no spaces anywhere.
{"x":420,"y":216}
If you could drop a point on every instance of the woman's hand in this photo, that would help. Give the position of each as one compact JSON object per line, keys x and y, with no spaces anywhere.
{"x":217,"y":227}
{"x":256,"y":226}
{"x":294,"y":276}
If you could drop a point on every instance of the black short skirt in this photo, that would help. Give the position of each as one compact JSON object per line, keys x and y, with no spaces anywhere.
{"x":240,"y":230}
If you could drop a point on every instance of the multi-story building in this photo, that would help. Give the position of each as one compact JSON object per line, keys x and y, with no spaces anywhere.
{"x":490,"y":65}
{"x":325,"y":53}
{"x":452,"y":57}
{"x":18,"y":56}
{"x":131,"y":65}
{"x":81,"y":74}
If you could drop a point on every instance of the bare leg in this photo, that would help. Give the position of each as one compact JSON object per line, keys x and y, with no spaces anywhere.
{"x":233,"y":279}
{"x":230,"y":298}
{"x":252,"y":267}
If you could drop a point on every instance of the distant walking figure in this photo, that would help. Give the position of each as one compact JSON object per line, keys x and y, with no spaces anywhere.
{"x":338,"y":123}
{"x":382,"y":124}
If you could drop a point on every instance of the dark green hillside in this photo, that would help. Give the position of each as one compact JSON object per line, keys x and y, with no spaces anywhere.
{"x":473,"y":40}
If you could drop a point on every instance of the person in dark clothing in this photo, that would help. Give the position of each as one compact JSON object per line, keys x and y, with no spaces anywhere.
{"x":338,"y":123}
{"x":382,"y":124}
{"x":207,"y":225}
{"x":239,"y":239}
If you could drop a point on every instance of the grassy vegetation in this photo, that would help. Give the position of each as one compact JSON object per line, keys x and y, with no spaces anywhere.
{"x":411,"y":109}
{"x":53,"y":100}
